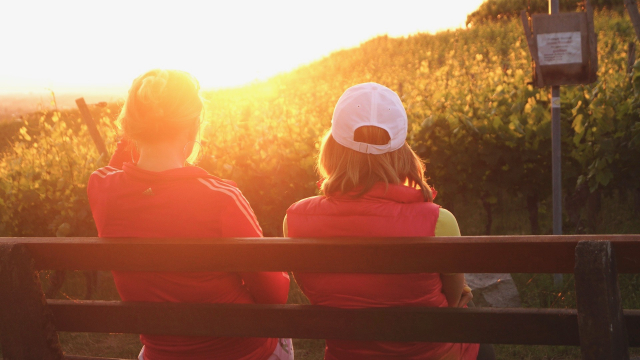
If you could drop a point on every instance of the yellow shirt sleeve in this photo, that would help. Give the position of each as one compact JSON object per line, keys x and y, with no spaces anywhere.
{"x":447,"y":224}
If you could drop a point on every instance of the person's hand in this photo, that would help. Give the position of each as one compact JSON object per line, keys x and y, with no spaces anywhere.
{"x":466,"y":296}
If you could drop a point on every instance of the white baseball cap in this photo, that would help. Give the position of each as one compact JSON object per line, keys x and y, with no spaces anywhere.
{"x":369,"y":104}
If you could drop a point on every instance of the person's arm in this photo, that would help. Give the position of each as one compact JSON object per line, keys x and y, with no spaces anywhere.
{"x":125,"y":152}
{"x":454,"y":286}
{"x":240,"y":221}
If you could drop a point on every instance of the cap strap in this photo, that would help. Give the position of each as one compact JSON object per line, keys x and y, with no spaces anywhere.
{"x":364,"y":147}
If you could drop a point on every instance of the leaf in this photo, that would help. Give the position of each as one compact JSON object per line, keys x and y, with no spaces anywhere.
{"x":497,"y":123}
{"x":603,"y":177}
{"x":578,"y":125}
{"x":24,"y":134}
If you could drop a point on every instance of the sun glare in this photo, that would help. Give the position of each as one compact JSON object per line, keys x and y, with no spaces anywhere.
{"x":68,"y":45}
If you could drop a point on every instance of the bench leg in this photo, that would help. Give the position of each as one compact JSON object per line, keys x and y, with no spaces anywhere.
{"x":603,"y":334}
{"x":26,"y":323}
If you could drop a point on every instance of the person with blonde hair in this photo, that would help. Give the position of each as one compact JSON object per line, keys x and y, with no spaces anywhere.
{"x":373,"y":185}
{"x":149,"y":191}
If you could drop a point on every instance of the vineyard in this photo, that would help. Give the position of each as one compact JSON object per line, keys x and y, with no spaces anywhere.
{"x":484,"y":130}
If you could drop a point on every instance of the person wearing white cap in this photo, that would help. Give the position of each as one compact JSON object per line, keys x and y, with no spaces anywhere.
{"x":374,"y":185}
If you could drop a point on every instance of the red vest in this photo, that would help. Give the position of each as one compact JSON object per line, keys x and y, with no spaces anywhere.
{"x":394,"y":211}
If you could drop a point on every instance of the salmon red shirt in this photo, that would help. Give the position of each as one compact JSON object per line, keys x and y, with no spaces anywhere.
{"x":127,"y":201}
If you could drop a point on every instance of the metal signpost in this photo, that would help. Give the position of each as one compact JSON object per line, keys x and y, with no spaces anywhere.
{"x":563,"y":48}
{"x":556,"y":155}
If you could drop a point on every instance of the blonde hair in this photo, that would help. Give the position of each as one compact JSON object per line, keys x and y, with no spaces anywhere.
{"x":161,"y":104}
{"x":346,"y":170}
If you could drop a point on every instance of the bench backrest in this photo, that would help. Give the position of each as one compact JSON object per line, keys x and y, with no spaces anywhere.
{"x":28,"y":324}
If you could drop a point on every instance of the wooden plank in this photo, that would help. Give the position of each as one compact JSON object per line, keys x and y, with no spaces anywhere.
{"x":603,"y":332}
{"x":484,"y":325}
{"x":92,"y":127}
{"x":527,"y":31}
{"x":632,"y":319}
{"x":593,"y":43}
{"x":26,"y":327}
{"x":491,"y":254}
{"x":76,"y":357}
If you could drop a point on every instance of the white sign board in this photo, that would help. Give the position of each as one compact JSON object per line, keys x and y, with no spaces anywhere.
{"x":559,"y":48}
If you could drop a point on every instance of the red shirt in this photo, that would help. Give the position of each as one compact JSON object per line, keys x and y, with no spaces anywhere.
{"x":186,"y":202}
{"x":395,"y":211}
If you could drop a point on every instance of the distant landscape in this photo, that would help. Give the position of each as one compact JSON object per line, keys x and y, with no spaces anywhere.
{"x":14,"y":105}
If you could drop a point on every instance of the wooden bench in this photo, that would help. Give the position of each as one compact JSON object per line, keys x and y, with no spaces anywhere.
{"x":29,"y":323}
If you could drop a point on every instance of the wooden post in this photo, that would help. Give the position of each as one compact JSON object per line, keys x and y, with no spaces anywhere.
{"x":603,"y":334}
{"x":91,"y":277}
{"x":631,"y":58}
{"x":632,"y":10}
{"x":27,"y":331}
{"x":593,"y":43}
{"x":91,"y":125}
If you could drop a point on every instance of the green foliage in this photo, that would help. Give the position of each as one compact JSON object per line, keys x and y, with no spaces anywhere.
{"x":44,"y":176}
{"x":485,"y":130}
{"x":603,"y":142}
{"x":8,"y":134}
{"x":494,"y":10}
{"x":472,"y":115}
{"x":258,"y":139}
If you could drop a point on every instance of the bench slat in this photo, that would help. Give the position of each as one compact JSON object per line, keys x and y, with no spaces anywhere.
{"x":632,"y":318}
{"x":504,"y":254}
{"x":484,"y":325}
{"x":78,"y":357}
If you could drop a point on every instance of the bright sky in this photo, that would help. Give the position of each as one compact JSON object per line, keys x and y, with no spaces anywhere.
{"x":70,"y":45}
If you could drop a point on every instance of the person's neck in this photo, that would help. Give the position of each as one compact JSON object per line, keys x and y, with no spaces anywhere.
{"x":161,"y":157}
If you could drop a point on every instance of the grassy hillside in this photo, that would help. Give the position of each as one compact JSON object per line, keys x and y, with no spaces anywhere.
{"x":484,"y":130}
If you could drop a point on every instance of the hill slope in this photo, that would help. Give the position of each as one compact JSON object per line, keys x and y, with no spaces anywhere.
{"x":472,"y":114}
